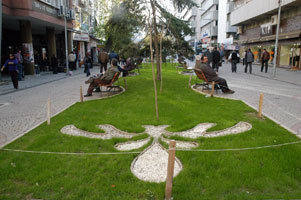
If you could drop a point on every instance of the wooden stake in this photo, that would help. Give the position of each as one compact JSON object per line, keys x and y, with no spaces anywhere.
{"x":189,"y":84}
{"x":81,"y":94}
{"x":260,"y":105}
{"x":212,"y":89}
{"x":48,"y":111}
{"x":125,"y":84}
{"x":170,"y":169}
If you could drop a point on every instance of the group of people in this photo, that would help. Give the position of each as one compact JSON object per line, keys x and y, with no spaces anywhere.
{"x":107,"y":74}
{"x":248,"y":59}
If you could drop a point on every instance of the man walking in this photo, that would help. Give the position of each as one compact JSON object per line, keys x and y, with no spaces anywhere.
{"x":249,"y":60}
{"x":208,"y":54}
{"x":216,"y":58}
{"x":103,"y":59}
{"x":72,"y":59}
{"x":19,"y":57}
{"x":234,"y":58}
{"x":265,"y":60}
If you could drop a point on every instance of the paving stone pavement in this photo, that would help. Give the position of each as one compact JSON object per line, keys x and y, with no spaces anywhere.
{"x":282,"y":95}
{"x":24,"y":109}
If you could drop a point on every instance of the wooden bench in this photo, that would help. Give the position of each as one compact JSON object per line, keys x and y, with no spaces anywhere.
{"x":206,"y":84}
{"x":110,"y":86}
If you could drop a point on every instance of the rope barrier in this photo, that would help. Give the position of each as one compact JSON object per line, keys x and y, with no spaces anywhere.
{"x":241,"y":149}
{"x":66,"y":153}
{"x":127,"y":153}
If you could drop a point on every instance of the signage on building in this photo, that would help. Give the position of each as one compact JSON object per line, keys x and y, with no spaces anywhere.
{"x":84,"y":37}
{"x":266,"y":29}
{"x":206,"y":40}
{"x":44,"y":8}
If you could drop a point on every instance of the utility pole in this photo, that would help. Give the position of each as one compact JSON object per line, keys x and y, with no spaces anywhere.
{"x":276,"y":42}
{"x":0,"y":36}
{"x":66,"y":38}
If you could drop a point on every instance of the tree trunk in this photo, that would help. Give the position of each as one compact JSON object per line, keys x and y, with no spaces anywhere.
{"x":161,"y":86}
{"x":156,"y":41}
{"x":153,"y":70}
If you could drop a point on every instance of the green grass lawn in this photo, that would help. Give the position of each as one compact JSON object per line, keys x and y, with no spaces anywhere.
{"x":273,"y":173}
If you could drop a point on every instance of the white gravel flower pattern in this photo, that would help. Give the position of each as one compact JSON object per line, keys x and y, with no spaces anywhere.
{"x":151,"y":164}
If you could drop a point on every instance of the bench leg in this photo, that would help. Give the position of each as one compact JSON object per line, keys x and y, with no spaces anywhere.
{"x":212,"y":89}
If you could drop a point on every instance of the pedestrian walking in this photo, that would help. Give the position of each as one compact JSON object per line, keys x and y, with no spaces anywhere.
{"x":208,"y":54}
{"x":54,"y":64}
{"x":265,"y":60}
{"x":19,"y":57}
{"x":12,"y":64}
{"x":103,"y":59}
{"x":113,"y":55}
{"x":216,"y":58}
{"x":88,"y":63}
{"x":234,"y":59}
{"x":72,"y":59}
{"x":249,"y":59}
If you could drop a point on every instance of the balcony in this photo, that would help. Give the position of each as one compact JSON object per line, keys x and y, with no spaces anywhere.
{"x":230,"y":7}
{"x":192,"y":24}
{"x":212,"y":16}
{"x":214,"y":31}
{"x":258,"y":10}
{"x":231,"y":29}
{"x":208,"y":4}
{"x":194,"y":11}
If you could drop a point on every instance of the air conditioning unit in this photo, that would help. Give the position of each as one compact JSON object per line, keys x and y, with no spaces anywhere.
{"x":239,"y":30}
{"x":61,"y":11}
{"x":77,"y":9}
{"x":71,"y":15}
{"x":274,"y":19}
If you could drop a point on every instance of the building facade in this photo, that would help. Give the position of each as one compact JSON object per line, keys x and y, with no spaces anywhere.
{"x":257,"y":21}
{"x":37,"y":28}
{"x":84,"y":39}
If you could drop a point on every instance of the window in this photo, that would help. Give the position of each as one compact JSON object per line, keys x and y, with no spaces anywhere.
{"x":53,"y":3}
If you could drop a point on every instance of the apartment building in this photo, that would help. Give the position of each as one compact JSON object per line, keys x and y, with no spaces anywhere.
{"x":37,"y":28}
{"x":257,"y":21}
{"x":84,"y":40}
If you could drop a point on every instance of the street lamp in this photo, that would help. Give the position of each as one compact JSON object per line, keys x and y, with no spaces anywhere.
{"x":0,"y":35}
{"x":277,"y":38}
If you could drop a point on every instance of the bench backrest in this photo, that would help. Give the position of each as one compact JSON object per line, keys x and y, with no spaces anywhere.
{"x":115,"y":78}
{"x":201,"y":75}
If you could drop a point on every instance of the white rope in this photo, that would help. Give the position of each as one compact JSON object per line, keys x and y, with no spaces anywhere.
{"x":127,"y":153}
{"x":243,"y":149}
{"x":66,"y":153}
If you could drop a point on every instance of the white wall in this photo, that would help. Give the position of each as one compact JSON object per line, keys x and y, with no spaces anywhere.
{"x":222,"y":21}
{"x":255,"y":8}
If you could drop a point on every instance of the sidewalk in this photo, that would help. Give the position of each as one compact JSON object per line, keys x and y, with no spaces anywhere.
{"x":282,"y":74}
{"x":24,"y":109}
{"x":282,"y":95}
{"x":30,"y":81}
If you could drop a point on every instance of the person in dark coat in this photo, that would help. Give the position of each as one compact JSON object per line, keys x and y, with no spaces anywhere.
{"x":12,"y":64}
{"x":54,"y":64}
{"x":216,"y":58}
{"x":103,"y":59}
{"x":211,"y":75}
{"x":208,"y":54}
{"x":249,"y":60}
{"x":113,"y":55}
{"x":265,"y":60}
